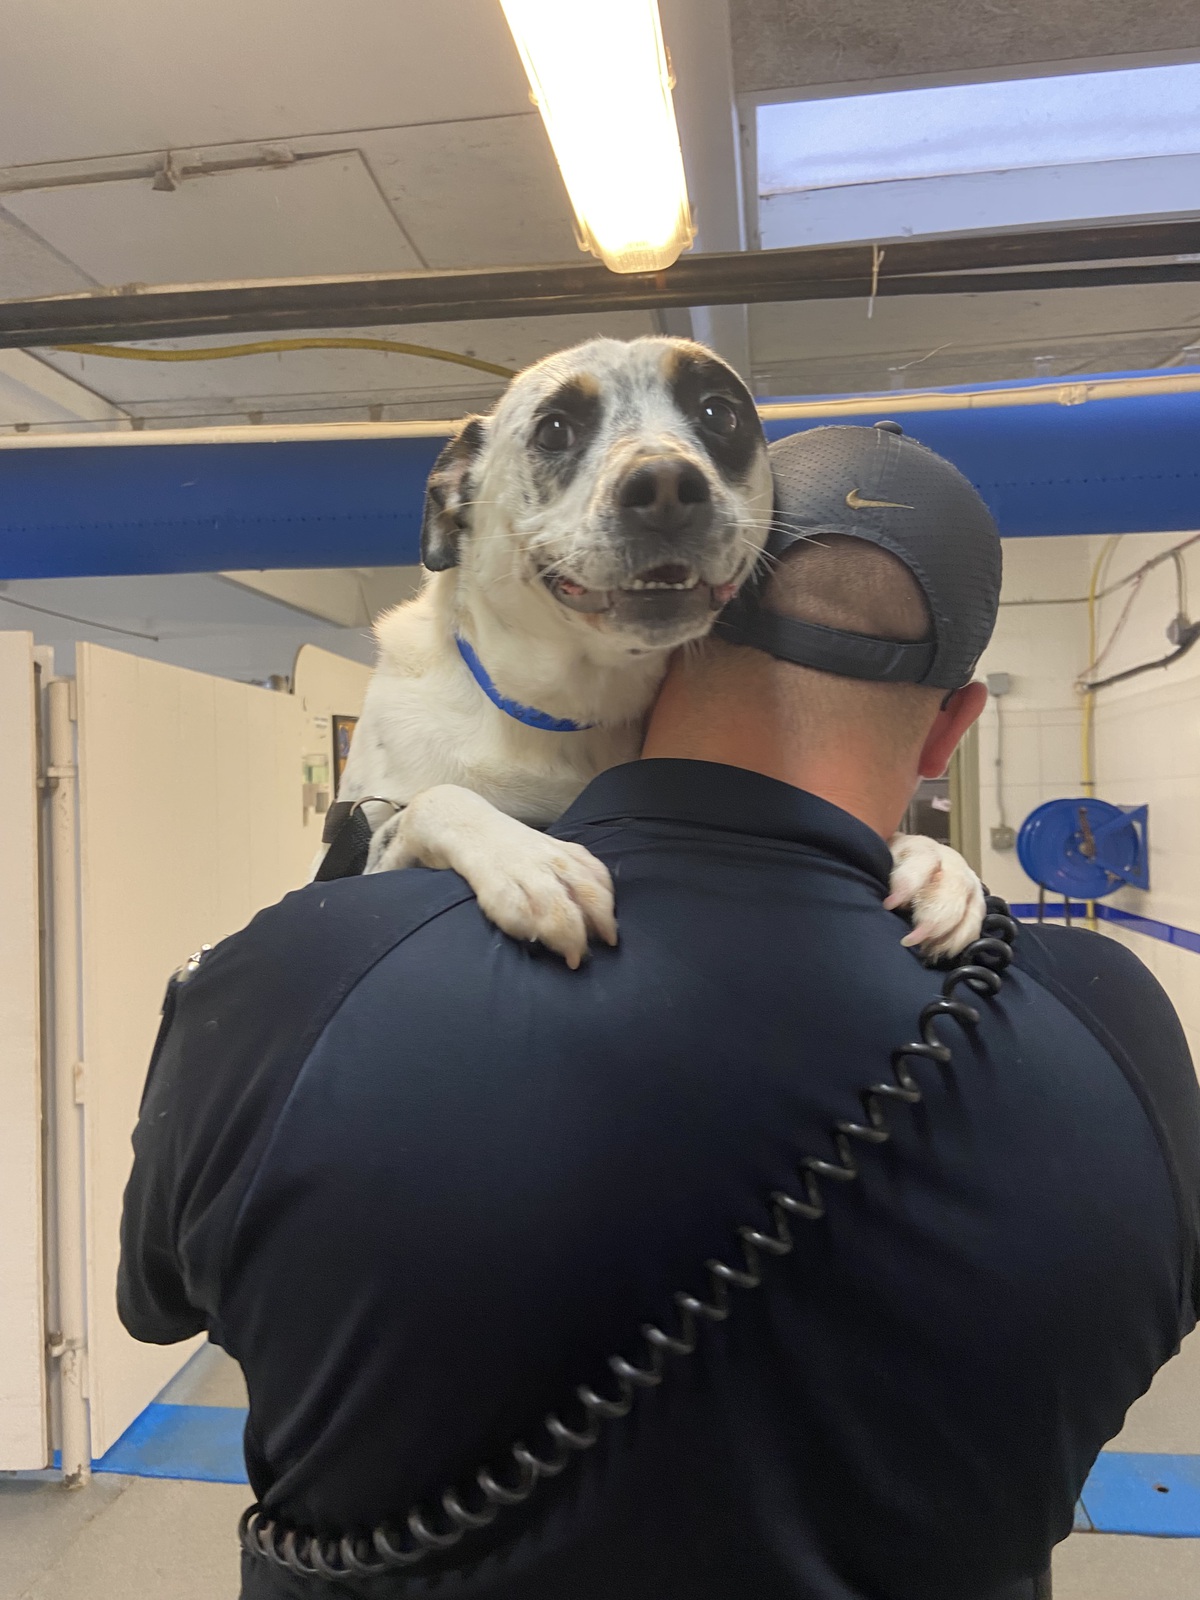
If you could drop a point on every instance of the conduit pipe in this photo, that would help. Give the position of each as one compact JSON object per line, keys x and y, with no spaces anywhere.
{"x":1067,"y":393}
{"x":69,"y":1345}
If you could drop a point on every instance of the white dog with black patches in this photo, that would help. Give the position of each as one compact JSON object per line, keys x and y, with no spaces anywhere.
{"x":598,"y":518}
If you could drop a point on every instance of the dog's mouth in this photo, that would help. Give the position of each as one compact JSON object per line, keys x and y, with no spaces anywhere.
{"x":670,"y":578}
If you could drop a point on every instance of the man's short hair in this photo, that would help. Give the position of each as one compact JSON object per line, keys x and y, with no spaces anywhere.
{"x":836,"y":581}
{"x":839,"y":581}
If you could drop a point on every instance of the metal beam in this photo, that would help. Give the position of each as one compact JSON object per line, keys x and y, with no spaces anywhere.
{"x":964,"y":264}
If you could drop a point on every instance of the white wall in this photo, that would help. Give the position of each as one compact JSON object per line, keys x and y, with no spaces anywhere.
{"x":1147,"y":732}
{"x":1043,"y":646}
{"x":23,"y":1438}
{"x":1148,"y":752}
{"x":190,"y":820}
{"x":192,"y":815}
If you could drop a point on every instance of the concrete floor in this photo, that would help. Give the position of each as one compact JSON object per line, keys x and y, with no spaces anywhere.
{"x":162,"y":1540}
{"x":118,"y":1538}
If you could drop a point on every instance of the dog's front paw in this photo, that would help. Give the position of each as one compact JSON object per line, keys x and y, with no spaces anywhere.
{"x":530,"y":885}
{"x":546,"y":890}
{"x":944,"y":897}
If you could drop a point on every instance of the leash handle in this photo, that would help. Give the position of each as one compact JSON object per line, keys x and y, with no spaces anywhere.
{"x":348,"y":835}
{"x":439,"y":1525}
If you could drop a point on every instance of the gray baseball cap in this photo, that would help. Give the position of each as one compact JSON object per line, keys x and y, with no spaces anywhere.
{"x":875,"y":484}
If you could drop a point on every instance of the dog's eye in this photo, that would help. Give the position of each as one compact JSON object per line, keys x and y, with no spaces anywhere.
{"x":718,"y":416}
{"x":555,"y":432}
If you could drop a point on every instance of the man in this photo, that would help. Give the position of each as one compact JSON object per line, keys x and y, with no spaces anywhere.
{"x":423,"y":1182}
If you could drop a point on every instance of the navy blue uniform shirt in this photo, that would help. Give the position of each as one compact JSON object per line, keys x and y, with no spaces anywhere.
{"x":420,"y":1180}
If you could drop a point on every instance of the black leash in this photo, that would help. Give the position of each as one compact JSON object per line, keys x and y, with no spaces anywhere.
{"x":441,"y":1524}
{"x":348,"y":835}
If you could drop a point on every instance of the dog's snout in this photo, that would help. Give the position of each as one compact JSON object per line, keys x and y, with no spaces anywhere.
{"x":666,"y":495}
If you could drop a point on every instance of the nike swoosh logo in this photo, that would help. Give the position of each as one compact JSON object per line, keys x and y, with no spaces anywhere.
{"x":856,"y":503}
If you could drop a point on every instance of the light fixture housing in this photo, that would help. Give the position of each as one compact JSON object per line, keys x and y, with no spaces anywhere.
{"x":598,"y":73}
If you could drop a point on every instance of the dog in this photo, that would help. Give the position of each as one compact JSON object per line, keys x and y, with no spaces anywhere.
{"x":598,"y":518}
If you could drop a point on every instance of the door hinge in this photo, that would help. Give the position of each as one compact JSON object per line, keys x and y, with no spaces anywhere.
{"x":78,"y":1075}
{"x":57,"y":1346}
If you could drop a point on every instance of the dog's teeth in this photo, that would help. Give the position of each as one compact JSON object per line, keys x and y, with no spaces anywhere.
{"x":646,"y":583}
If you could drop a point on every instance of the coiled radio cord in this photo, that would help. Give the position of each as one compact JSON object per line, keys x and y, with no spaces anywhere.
{"x":392,"y":1549}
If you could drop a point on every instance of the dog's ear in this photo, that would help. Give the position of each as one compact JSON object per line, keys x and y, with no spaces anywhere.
{"x":448,"y":496}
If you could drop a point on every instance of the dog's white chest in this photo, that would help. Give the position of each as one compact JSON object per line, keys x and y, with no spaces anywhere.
{"x":427,"y":722}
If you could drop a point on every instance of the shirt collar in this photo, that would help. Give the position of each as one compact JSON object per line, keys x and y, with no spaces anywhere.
{"x":733,"y":800}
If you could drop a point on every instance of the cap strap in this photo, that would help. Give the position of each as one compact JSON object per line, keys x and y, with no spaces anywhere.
{"x":807,"y":644}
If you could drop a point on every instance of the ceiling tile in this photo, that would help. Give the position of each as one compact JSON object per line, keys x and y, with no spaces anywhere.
{"x":921,"y":341}
{"x":314,"y":217}
{"x":78,"y":81}
{"x":29,"y":267}
{"x":480,"y":193}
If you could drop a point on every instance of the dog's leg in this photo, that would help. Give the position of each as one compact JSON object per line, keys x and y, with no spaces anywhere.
{"x":943,"y":895}
{"x":530,"y":885}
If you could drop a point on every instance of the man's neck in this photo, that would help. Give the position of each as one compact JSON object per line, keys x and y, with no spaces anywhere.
{"x":846,"y":775}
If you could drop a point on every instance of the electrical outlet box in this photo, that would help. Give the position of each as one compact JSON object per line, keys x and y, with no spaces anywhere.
{"x":1004,"y":838}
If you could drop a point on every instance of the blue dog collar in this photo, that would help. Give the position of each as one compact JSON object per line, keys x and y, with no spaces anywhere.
{"x":529,"y":715}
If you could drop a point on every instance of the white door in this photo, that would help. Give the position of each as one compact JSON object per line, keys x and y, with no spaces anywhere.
{"x":23,"y":1433}
{"x":190,"y":820}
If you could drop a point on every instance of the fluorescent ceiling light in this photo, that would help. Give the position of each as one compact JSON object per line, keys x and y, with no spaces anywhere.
{"x":979,"y":127}
{"x":599,"y":75}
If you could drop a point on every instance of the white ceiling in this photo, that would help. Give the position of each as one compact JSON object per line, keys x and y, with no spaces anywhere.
{"x":483,"y":192}
{"x":920,"y":340}
{"x":381,"y":135}
{"x":315,"y":217}
{"x":305,"y":140}
{"x":82,"y":80}
{"x":29,"y":266}
{"x":311,"y":384}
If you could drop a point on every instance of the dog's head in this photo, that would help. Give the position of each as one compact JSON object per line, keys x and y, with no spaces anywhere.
{"x":626,"y":485}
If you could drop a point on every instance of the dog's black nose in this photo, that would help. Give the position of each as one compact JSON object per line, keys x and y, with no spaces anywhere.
{"x":666,"y":495}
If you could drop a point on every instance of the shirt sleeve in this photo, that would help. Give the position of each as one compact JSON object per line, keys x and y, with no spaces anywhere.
{"x":152,"y":1296}
{"x":1126,"y":1008}
{"x":234,"y":1037}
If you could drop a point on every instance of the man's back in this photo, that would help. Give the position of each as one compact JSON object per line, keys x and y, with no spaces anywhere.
{"x":421,"y":1217}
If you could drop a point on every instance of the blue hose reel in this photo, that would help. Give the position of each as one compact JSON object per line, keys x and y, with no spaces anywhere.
{"x":1085,"y":849}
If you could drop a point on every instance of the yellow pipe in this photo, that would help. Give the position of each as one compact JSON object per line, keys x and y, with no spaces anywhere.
{"x":1087,"y":724}
{"x":263,"y":347}
{"x":1066,"y":394}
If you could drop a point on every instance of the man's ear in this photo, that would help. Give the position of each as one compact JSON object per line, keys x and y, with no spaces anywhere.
{"x":448,"y":496}
{"x":960,"y":710}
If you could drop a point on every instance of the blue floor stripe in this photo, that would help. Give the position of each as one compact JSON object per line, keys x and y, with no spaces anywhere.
{"x":198,"y":1442}
{"x":1128,"y":1492}
{"x":1150,"y":927}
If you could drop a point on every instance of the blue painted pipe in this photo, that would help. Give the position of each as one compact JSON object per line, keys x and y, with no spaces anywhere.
{"x":1110,"y":466}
